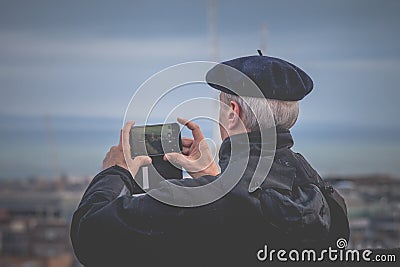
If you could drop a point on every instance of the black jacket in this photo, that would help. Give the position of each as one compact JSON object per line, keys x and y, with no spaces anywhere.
{"x":288,"y":210}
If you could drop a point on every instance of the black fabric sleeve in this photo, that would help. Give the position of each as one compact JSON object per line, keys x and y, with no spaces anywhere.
{"x":108,"y":230}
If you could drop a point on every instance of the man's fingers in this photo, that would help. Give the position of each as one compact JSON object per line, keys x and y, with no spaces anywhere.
{"x":125,"y":139}
{"x":107,"y":156}
{"x":187,"y":163}
{"x":185,"y":150}
{"x":182,"y":120}
{"x":142,"y":160}
{"x":196,"y":131}
{"x":114,"y":149}
{"x":175,"y":158}
{"x":186,"y":145}
{"x":187,"y":141}
{"x":171,"y":157}
{"x":135,"y":164}
{"x":127,"y":128}
{"x":120,"y":139}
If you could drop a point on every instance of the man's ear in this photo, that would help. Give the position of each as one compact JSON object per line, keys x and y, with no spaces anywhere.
{"x":234,"y":115}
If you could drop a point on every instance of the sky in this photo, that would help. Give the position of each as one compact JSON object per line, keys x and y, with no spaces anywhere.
{"x":85,"y":59}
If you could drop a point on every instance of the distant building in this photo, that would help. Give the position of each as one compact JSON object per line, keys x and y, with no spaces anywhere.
{"x":35,"y":216}
{"x":34,"y":226}
{"x":373,"y":204}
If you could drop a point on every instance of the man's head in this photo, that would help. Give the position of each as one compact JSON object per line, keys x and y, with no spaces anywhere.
{"x":248,"y":114}
{"x":258,"y":92}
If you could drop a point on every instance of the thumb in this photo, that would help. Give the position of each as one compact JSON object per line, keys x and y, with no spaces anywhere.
{"x":176,"y":158}
{"x":135,"y":164}
{"x":142,"y":160}
{"x":120,"y":140}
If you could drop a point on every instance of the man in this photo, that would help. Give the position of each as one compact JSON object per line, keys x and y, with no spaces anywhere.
{"x":291,"y":208}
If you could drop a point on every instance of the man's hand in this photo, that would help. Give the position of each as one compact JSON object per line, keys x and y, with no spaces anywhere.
{"x":115,"y":156}
{"x":196,"y":156}
{"x":121,"y":155}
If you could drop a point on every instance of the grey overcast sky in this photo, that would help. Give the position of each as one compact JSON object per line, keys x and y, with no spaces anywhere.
{"x":79,"y":63}
{"x":86,"y":58}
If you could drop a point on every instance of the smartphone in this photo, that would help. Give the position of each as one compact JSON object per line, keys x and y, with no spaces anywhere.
{"x":155,"y":140}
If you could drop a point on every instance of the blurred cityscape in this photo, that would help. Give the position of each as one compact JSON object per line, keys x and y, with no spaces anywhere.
{"x":373,"y":204}
{"x":35,"y":214}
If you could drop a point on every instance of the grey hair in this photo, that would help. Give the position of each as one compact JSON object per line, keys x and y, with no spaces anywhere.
{"x":257,"y":112}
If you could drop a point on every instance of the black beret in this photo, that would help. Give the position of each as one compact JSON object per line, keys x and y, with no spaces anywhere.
{"x":276,"y":78}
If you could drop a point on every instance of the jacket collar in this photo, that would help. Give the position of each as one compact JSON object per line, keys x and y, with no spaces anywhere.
{"x":254,"y":144}
{"x":283,"y":139}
